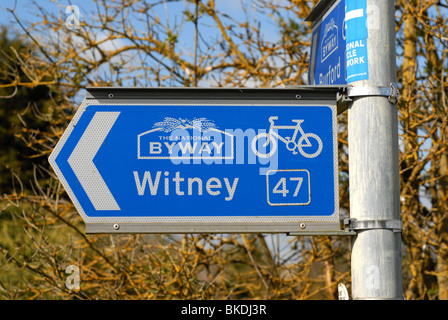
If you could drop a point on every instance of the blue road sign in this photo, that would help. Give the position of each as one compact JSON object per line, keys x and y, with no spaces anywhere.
{"x":200,"y":163}
{"x":327,"y":64}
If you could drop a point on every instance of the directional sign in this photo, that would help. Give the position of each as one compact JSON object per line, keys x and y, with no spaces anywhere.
{"x":327,"y":59}
{"x":157,"y":162}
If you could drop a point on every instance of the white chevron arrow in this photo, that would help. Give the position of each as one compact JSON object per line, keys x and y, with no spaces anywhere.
{"x":81,"y":161}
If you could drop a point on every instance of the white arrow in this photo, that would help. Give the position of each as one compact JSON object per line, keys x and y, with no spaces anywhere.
{"x":81,"y":161}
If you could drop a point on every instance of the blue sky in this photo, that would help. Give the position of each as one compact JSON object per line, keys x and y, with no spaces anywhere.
{"x":25,"y":9}
{"x":169,"y":12}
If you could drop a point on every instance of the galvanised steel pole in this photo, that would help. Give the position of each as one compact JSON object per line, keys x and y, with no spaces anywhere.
{"x":374,"y":172}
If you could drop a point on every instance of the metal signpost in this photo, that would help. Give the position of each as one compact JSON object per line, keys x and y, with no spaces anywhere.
{"x":374,"y":168}
{"x":373,"y":137}
{"x":179,"y":160}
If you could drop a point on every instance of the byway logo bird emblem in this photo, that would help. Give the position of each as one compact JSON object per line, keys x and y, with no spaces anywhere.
{"x":171,"y":124}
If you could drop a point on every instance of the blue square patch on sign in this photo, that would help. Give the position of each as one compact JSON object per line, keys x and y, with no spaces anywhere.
{"x":356,"y":19}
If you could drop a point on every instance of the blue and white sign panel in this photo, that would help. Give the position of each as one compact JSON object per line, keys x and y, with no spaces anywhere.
{"x":356,"y":42}
{"x":327,"y":60}
{"x":339,"y":45}
{"x":151,"y":166}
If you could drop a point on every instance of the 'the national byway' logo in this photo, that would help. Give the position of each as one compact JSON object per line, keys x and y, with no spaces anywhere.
{"x":197,"y":138}
{"x":329,"y":42}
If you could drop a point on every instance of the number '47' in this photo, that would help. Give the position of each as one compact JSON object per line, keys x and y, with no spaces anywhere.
{"x":284,"y":190}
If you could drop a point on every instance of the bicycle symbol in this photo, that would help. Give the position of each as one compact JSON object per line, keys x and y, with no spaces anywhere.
{"x":291,"y":144}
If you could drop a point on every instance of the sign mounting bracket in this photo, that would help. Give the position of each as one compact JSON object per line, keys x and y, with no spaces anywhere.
{"x":355,"y":225}
{"x":392,"y":93}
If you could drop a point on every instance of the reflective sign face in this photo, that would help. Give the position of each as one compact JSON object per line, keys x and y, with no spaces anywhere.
{"x":339,"y":44}
{"x":328,"y":60}
{"x":202,"y":164}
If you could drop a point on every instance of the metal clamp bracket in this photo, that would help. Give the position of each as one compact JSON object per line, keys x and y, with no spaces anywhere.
{"x":392,"y":93}
{"x":356,"y":225}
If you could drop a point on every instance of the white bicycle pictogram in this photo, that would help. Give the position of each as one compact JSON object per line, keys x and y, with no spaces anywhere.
{"x":291,"y":144}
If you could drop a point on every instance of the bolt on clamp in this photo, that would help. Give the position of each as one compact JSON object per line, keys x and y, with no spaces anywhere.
{"x":356,"y":225}
{"x":392,"y":93}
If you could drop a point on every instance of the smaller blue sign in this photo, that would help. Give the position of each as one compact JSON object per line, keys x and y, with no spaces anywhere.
{"x":327,"y":60}
{"x":356,"y":40}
